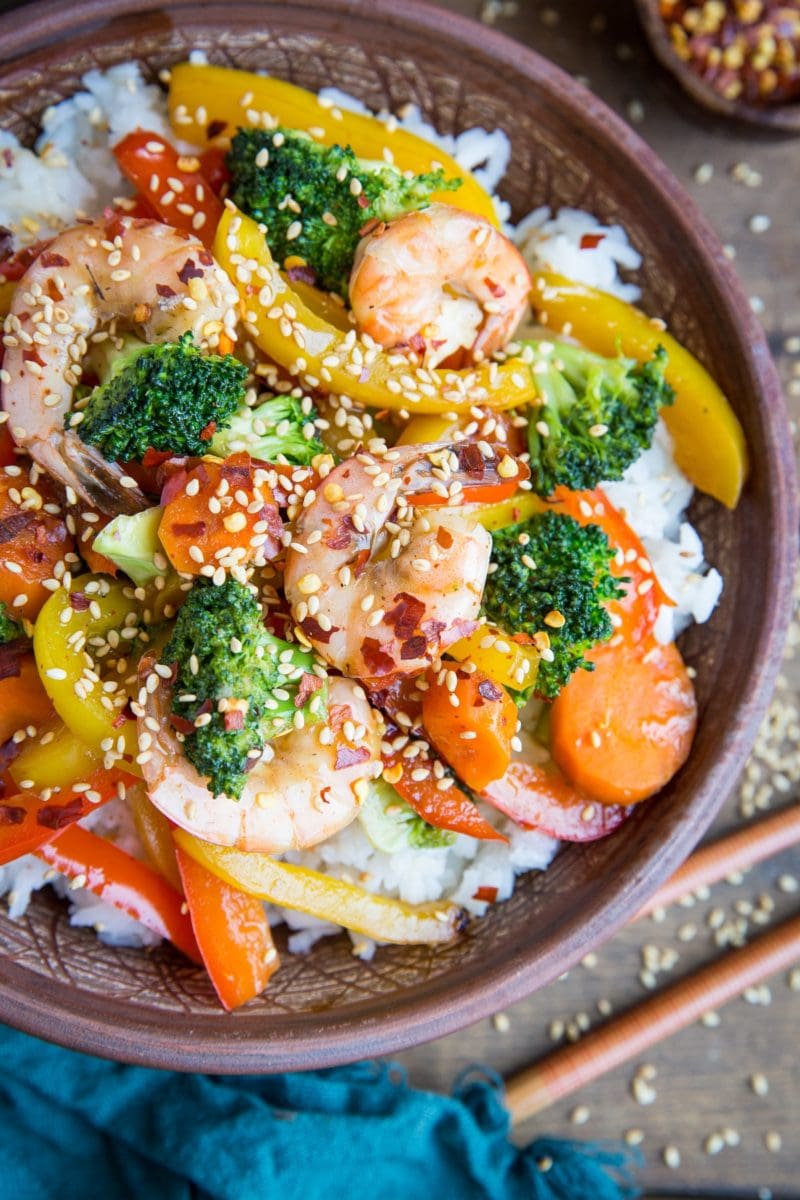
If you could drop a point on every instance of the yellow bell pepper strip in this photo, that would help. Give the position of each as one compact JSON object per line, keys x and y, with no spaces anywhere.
{"x":709,"y":440}
{"x":213,"y":102}
{"x":54,"y":758}
{"x":123,"y":881}
{"x":155,"y":832}
{"x":512,"y":664}
{"x":321,"y":896}
{"x":27,"y":822}
{"x":426,"y":430}
{"x":307,"y":346}
{"x":232,"y":932}
{"x":62,"y":648}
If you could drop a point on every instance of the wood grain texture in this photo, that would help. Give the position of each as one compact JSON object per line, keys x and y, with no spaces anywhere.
{"x":703,"y":1073}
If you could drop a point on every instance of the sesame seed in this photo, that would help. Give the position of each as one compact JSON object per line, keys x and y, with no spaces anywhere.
{"x":672,"y":1157}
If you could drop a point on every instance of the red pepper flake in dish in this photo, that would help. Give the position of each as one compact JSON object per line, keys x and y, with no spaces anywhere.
{"x":744,"y":49}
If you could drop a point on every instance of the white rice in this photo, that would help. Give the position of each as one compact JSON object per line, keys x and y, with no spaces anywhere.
{"x":74,"y":175}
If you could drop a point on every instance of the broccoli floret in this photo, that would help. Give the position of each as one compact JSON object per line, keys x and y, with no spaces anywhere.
{"x":561,"y":596}
{"x":598,"y":415}
{"x":276,"y":429}
{"x":9,"y":630}
{"x":167,"y":396}
{"x":236,"y":681}
{"x":286,"y":181}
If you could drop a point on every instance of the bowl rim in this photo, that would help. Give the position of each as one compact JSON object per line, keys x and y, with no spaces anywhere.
{"x":55,"y":1010}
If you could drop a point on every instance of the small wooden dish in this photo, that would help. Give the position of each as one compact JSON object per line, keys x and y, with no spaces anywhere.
{"x":779,"y":117}
{"x":568,"y":149}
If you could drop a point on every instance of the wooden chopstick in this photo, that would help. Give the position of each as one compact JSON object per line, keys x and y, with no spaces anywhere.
{"x":646,"y":1024}
{"x":735,"y":852}
{"x":678,"y":1005}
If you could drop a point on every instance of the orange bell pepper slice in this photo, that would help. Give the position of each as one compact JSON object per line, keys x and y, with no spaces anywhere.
{"x":23,"y":699}
{"x":232,"y":932}
{"x":450,"y":809}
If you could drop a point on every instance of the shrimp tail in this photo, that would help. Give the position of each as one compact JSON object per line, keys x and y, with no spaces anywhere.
{"x":96,"y":482}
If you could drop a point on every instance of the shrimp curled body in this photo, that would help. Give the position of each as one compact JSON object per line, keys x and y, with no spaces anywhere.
{"x":377,"y":587}
{"x":139,"y":273}
{"x":442,"y":275}
{"x":304,"y":790}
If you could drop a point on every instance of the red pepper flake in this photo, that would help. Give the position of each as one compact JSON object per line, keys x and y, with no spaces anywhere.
{"x":57,"y":816}
{"x":190,"y":271}
{"x":309,"y":684}
{"x":8,"y":752}
{"x":237,"y":469}
{"x":337,"y":715}
{"x":495,"y":288}
{"x":215,"y":128}
{"x":444,"y":537}
{"x":486,"y":893}
{"x":341,"y":538}
{"x":165,"y":291}
{"x":181,"y":723}
{"x":11,"y":814}
{"x":233,"y":720}
{"x":302,"y":274}
{"x":413,"y":647}
{"x":174,"y":486}
{"x":346,"y":756}
{"x":205,"y":258}
{"x":417,"y":343}
{"x":406,"y":615}
{"x":362,"y":201}
{"x":313,"y":630}
{"x":50,"y":259}
{"x":208,"y":431}
{"x":193,"y":529}
{"x":376,"y":660}
{"x":470,"y":460}
{"x":78,"y":602}
{"x":359,"y":564}
{"x":13,"y":525}
{"x":590,"y":240}
{"x":11,"y":655}
{"x":489,"y":690}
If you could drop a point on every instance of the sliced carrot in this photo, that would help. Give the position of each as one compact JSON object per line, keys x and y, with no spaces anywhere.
{"x":86,"y":532}
{"x":537,"y":796}
{"x":123,"y":881}
{"x":32,"y":541}
{"x":232,"y":932}
{"x":27,"y":822}
{"x":23,"y":700}
{"x":474,"y":736}
{"x":214,"y":513}
{"x":621,"y":731}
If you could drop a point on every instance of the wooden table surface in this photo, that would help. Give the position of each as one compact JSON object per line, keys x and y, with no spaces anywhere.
{"x":702,"y":1076}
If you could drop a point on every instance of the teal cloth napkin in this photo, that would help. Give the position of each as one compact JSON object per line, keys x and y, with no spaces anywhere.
{"x":75,"y":1127}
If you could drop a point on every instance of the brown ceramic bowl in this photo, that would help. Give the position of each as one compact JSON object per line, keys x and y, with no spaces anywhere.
{"x":568,"y":148}
{"x":783,"y":118}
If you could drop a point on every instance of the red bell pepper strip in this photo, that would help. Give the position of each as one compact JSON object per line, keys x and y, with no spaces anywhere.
{"x":232,"y":932}
{"x":537,"y":796}
{"x":27,"y":823}
{"x":450,"y":809}
{"x":123,"y":881}
{"x":213,"y":164}
{"x":171,"y":182}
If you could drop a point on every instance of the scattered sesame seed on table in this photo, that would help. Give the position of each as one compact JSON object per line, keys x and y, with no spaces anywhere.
{"x":718,"y":1106}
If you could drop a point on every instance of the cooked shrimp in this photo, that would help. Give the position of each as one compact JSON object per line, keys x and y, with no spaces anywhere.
{"x":307,"y":786}
{"x":377,"y":588}
{"x":439,"y":279}
{"x":138,"y":273}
